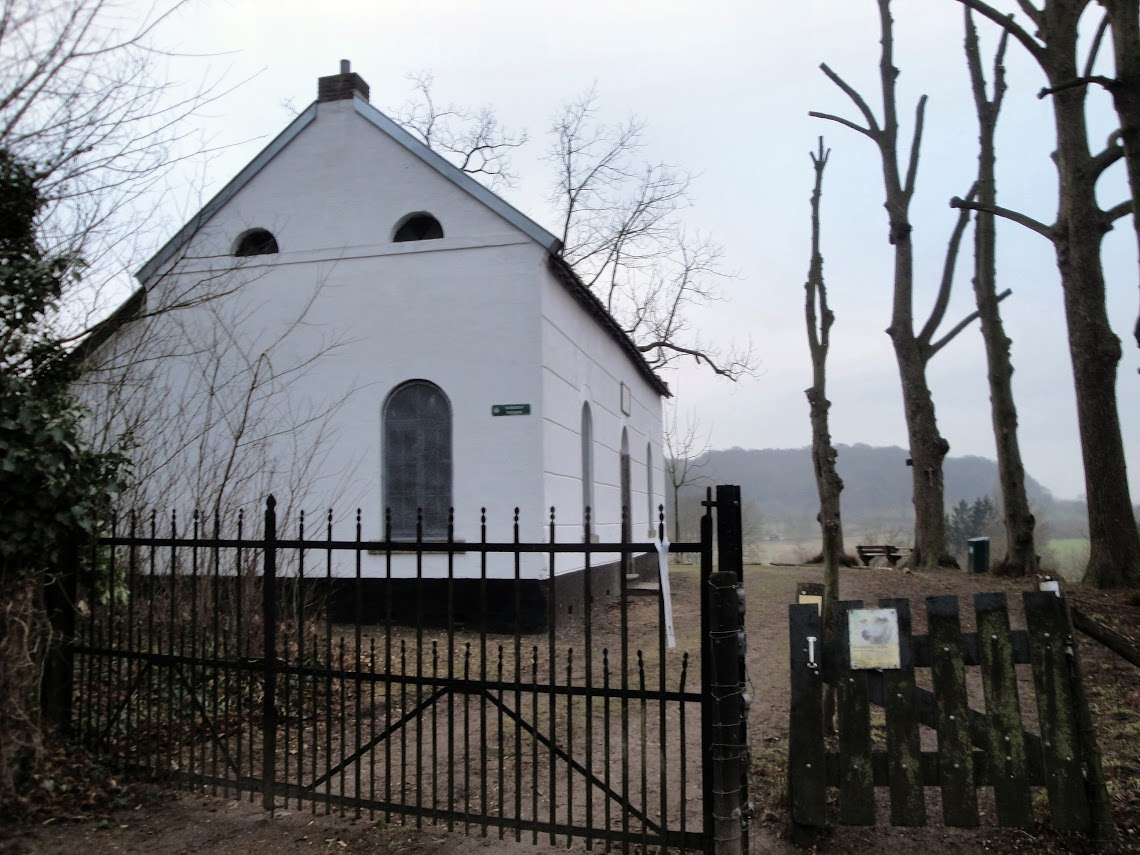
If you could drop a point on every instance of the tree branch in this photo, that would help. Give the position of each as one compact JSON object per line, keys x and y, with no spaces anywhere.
{"x":948,"y":267}
{"x":1108,"y":83}
{"x":1113,"y":151}
{"x":855,"y":97}
{"x":1032,"y":12}
{"x":819,"y":326}
{"x":1117,"y":211}
{"x":1005,"y":213}
{"x":1007,"y":23}
{"x":734,"y":368}
{"x":912,"y":166}
{"x":961,"y":325}
{"x":873,"y":135}
{"x":1095,"y":48}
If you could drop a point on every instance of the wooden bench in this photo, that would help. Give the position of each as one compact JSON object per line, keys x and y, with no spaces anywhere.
{"x":886,"y":550}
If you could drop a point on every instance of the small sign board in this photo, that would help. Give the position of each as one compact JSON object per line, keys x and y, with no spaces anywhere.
{"x":874,"y":638}
{"x":812,"y":600}
{"x":510,"y":409}
{"x":812,"y":594}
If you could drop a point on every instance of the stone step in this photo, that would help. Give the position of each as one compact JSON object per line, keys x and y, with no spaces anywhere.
{"x":643,"y":589}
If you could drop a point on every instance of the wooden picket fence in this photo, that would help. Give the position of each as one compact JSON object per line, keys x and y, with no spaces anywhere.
{"x":974,"y":749}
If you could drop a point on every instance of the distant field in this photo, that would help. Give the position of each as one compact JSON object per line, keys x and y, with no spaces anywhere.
{"x":1070,"y":549}
{"x":1071,"y":554}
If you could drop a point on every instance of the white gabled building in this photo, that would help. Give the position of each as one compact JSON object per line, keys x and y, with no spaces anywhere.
{"x":456,"y":359}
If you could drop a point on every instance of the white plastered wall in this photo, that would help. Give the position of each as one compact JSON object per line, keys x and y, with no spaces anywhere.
{"x":582,"y":363}
{"x":460,"y":312}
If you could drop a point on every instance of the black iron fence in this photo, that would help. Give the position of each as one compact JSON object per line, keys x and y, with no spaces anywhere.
{"x":375,"y":678}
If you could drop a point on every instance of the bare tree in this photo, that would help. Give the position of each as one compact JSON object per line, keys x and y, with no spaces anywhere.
{"x":474,"y":140}
{"x":1076,"y":235}
{"x":686,"y":452}
{"x":204,"y":398}
{"x":823,"y":454}
{"x":620,"y":224}
{"x":619,"y":219}
{"x":913,"y":351}
{"x":1021,"y":554}
{"x":84,"y":95}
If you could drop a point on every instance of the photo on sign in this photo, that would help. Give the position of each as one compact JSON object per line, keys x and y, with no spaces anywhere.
{"x":874,"y":638}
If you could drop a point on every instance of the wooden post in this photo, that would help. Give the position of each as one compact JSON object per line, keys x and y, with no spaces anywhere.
{"x":728,"y":751}
{"x":1100,"y":809}
{"x":708,"y":713}
{"x":730,"y":554}
{"x":807,"y":770}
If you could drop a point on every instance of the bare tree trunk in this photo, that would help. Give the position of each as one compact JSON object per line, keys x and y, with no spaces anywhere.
{"x":1124,"y":16}
{"x":913,"y":351}
{"x":928,"y":448}
{"x":676,"y":514}
{"x":823,"y":453}
{"x":1114,"y":553}
{"x":685,"y":456}
{"x":1020,"y":553}
{"x":1114,"y":543}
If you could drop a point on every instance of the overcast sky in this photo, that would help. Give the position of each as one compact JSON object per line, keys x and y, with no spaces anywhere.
{"x":725,"y":88}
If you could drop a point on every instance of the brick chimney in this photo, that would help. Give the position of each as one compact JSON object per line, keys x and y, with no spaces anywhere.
{"x":338,"y":87}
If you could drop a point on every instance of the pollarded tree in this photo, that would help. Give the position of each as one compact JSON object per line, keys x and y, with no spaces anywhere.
{"x":1077,"y":234}
{"x":1124,"y":18}
{"x":1020,"y":552}
{"x":913,"y":350}
{"x":829,"y":485}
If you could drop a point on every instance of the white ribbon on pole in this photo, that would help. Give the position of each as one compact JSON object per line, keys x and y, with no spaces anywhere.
{"x":663,"y":565}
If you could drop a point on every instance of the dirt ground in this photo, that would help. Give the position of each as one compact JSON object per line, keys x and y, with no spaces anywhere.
{"x":145,"y":819}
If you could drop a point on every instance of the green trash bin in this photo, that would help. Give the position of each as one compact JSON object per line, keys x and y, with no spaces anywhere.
{"x":978,"y":554}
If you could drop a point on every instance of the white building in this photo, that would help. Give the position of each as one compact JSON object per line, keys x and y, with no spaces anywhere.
{"x":417,"y":341}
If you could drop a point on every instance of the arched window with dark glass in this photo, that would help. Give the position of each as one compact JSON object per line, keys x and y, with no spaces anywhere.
{"x":255,"y":242}
{"x":418,"y":227}
{"x":417,"y":459}
{"x":653,"y":521}
{"x":626,"y":489}
{"x":587,"y":459}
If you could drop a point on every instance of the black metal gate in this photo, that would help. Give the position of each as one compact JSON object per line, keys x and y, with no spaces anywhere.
{"x":530,"y":705}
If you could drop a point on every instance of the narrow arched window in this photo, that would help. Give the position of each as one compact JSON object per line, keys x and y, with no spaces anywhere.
{"x":255,"y":242}
{"x":417,"y":459}
{"x":587,"y":458}
{"x":652,"y":517}
{"x":418,"y":227}
{"x":626,"y":489}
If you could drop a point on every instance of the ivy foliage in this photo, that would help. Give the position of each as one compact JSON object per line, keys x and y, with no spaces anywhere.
{"x":52,"y":485}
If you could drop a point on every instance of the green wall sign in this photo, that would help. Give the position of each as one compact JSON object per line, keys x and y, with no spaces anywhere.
{"x":510,"y":409}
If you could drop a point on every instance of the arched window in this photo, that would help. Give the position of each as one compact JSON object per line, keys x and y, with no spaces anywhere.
{"x":626,"y":489}
{"x":417,"y":458}
{"x":418,"y":227}
{"x":255,"y":242}
{"x":652,"y":518}
{"x":587,"y":458}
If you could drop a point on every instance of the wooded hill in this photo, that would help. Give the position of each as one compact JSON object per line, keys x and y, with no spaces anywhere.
{"x":779,"y":484}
